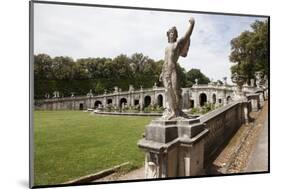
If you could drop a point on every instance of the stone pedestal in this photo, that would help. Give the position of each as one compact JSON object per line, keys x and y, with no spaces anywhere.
{"x":255,"y":101}
{"x":239,"y":95}
{"x":246,"y":113}
{"x":261,"y":98}
{"x":266,"y":94}
{"x":254,"y":104}
{"x":174,"y":148}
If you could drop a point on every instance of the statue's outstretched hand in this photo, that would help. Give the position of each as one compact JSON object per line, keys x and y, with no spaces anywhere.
{"x":191,"y":20}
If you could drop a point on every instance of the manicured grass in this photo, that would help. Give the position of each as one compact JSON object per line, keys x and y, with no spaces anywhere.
{"x":71,"y":144}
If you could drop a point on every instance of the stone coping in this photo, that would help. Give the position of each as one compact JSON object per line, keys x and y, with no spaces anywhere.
{"x":64,"y":99}
{"x":163,"y":147}
{"x":130,"y":92}
{"x":129,"y":113}
{"x":252,"y":94}
{"x":218,"y":111}
{"x":163,"y":122}
{"x":224,"y":87}
{"x":103,"y":95}
{"x":220,"y":87}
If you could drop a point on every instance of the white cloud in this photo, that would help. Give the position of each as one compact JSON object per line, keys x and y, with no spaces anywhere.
{"x":80,"y":32}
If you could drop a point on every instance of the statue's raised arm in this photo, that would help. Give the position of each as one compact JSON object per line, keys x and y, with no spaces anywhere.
{"x":184,"y":42}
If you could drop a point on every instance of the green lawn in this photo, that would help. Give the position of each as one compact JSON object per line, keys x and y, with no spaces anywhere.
{"x":71,"y":144}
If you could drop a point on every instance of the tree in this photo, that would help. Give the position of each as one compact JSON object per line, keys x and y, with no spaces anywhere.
{"x":63,"y":68}
{"x":65,"y":75}
{"x":42,"y":66}
{"x":193,"y":74}
{"x":250,"y":51}
{"x":138,"y":60}
{"x":182,"y":76}
{"x":99,"y":89}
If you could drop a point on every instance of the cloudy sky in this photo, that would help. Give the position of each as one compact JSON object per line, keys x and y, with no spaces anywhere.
{"x":80,"y":32}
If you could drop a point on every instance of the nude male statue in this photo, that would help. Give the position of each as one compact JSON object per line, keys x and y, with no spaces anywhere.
{"x":169,"y":71}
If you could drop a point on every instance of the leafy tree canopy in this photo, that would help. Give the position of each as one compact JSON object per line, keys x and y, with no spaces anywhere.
{"x":250,"y":51}
{"x":193,"y":74}
{"x":67,"y":76}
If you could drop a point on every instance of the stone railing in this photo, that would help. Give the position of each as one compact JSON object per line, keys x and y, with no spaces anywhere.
{"x":213,"y":86}
{"x":222,"y":123}
{"x":184,"y":147}
{"x":50,"y":100}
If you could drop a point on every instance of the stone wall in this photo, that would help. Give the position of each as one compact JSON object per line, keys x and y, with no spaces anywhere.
{"x":214,"y":94}
{"x":70,"y":103}
{"x":116,"y":98}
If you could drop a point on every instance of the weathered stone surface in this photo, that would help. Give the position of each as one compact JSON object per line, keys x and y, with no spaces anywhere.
{"x":255,"y":101}
{"x":173,"y":51}
{"x":219,"y":95}
{"x":161,"y":134}
{"x":169,"y":142}
{"x":184,"y":147}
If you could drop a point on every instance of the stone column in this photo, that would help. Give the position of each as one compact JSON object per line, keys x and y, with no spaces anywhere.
{"x":104,"y":103}
{"x":196,"y":99}
{"x":208,"y":94}
{"x":116,"y":101}
{"x":164,"y":99}
{"x":153,"y":98}
{"x":141,"y":102}
{"x":131,"y":101}
{"x":185,"y":99}
{"x":255,"y":104}
{"x":246,"y":114}
{"x":266,"y":93}
{"x":261,"y":98}
{"x":73,"y":105}
{"x":224,"y":99}
{"x":244,"y":108}
{"x":128,"y":99}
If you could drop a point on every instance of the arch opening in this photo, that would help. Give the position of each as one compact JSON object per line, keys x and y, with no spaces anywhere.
{"x":147,"y":101}
{"x":109,"y":101}
{"x":228,"y":99}
{"x":81,"y":106}
{"x":202,"y":99}
{"x":136,"y":102}
{"x":123,"y":101}
{"x":97,"y":104}
{"x":160,"y":100}
{"x":191,"y":103}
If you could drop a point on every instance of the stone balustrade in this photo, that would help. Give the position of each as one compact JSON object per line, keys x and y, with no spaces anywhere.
{"x":184,"y":147}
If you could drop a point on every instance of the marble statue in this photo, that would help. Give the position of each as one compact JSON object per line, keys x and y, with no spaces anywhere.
{"x":169,"y":74}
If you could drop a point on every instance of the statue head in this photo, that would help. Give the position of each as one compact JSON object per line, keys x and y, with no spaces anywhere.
{"x":172,"y":34}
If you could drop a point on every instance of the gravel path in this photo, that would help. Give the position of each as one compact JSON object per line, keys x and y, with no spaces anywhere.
{"x":258,"y":160}
{"x":256,"y":134}
{"x":235,"y":157}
